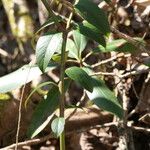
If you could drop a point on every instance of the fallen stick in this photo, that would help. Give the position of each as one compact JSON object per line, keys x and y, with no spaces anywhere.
{"x":80,"y":120}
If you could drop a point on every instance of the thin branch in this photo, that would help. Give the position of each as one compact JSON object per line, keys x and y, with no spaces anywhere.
{"x":136,"y":72}
{"x":145,"y":130}
{"x":20,"y":109}
{"x":103,"y":73}
{"x":67,"y":4}
{"x":4,"y":53}
{"x":28,"y":142}
{"x":72,"y":61}
{"x":126,"y":75}
{"x":79,"y":130}
{"x":140,"y":98}
{"x":87,"y":56}
{"x":120,"y":55}
{"x":124,"y":36}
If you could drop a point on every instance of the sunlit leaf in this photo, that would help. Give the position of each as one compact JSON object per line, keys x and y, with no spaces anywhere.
{"x":76,"y":47}
{"x":80,"y":42}
{"x":4,"y":97}
{"x":103,"y":97}
{"x":72,"y":49}
{"x":46,"y":46}
{"x":19,"y":77}
{"x":97,"y":91}
{"x":57,"y":126}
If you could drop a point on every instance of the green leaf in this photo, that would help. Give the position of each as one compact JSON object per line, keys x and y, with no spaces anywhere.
{"x":76,"y":47}
{"x":91,"y":32}
{"x":72,"y":49}
{"x":97,"y":91}
{"x":104,"y":98}
{"x":79,"y":75}
{"x":46,"y":46}
{"x":57,"y":57}
{"x":80,"y":42}
{"x":4,"y":97}
{"x":38,"y":87}
{"x":57,"y":126}
{"x":20,"y":77}
{"x":93,"y":14}
{"x":44,"y":112}
{"x":118,"y":46}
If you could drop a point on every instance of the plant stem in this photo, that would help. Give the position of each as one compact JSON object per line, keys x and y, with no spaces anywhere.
{"x":62,"y":74}
{"x":62,"y":86}
{"x":62,"y":71}
{"x":62,"y":141}
{"x":62,"y":89}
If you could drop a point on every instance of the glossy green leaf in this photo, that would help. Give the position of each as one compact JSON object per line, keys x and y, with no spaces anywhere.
{"x":93,"y":14}
{"x":103,"y":97}
{"x":57,"y":126}
{"x":46,"y":46}
{"x":44,"y":112}
{"x":91,"y":32}
{"x":19,"y":77}
{"x":80,"y":76}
